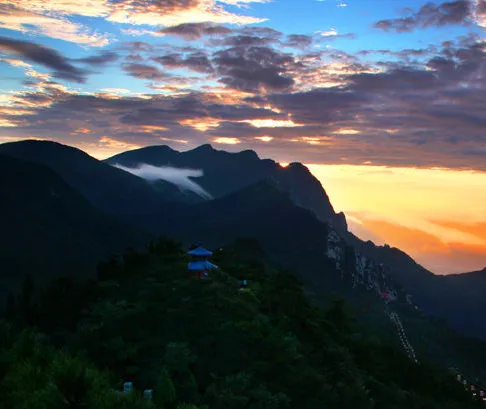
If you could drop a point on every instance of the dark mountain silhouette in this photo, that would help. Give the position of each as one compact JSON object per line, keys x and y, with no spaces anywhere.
{"x":461,"y":298}
{"x":288,"y":233}
{"x":108,"y":188}
{"x":254,"y":197}
{"x":49,"y":229}
{"x":226,"y":172}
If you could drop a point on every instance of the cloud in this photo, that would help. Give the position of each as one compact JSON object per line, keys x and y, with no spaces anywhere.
{"x":412,"y":107}
{"x":45,"y":56}
{"x":197,"y":61}
{"x":143,"y":71}
{"x":427,"y":249}
{"x":25,"y":20}
{"x":175,"y":12}
{"x":99,"y":59}
{"x":195,"y":31}
{"x":50,"y":18}
{"x":431,"y":14}
{"x":177,"y":176}
{"x":253,"y":68}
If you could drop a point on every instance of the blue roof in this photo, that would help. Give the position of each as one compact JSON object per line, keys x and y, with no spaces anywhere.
{"x":201,"y":266}
{"x":200,"y":251}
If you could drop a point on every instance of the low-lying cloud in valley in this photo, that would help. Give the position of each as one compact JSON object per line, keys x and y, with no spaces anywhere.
{"x":176,"y":176}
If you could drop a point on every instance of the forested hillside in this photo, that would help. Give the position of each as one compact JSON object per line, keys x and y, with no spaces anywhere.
{"x":202,"y":343}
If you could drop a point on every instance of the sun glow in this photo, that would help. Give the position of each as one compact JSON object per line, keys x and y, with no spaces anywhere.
{"x":438,"y":216}
{"x":271,"y":123}
{"x":226,"y":141}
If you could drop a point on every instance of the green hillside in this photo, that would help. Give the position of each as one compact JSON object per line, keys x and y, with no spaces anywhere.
{"x":203,"y":343}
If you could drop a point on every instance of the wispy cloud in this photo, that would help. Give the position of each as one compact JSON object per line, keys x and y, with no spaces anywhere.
{"x":45,"y":56}
{"x":177,"y":176}
{"x":24,"y":20}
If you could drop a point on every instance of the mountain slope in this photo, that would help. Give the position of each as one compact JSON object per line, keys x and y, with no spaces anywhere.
{"x":106,"y":187}
{"x":461,"y":298}
{"x":226,"y":173}
{"x":205,"y":343}
{"x":50,"y":229}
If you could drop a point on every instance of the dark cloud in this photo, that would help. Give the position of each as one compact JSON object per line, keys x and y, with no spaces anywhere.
{"x":298,"y":41}
{"x":394,"y":81}
{"x":45,"y":56}
{"x":252,"y":68}
{"x":143,"y":71}
{"x":197,"y":62}
{"x":320,"y":106}
{"x":102,"y":58}
{"x":194,"y":31}
{"x":156,"y":6}
{"x":431,"y":14}
{"x":245,"y":41}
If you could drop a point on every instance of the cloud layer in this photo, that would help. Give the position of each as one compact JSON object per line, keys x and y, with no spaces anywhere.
{"x":53,"y":18}
{"x":290,"y":96}
{"x":177,"y":176}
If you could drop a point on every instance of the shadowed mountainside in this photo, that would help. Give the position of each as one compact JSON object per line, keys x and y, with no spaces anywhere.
{"x":50,"y":229}
{"x":226,"y":172}
{"x":106,"y":187}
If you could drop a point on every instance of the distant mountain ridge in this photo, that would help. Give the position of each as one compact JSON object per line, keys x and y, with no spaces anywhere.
{"x":226,"y":172}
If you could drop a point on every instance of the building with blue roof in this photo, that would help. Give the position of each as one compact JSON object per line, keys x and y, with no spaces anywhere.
{"x":199,"y":264}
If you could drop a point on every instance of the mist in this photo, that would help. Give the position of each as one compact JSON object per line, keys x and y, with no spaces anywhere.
{"x":178,"y":176}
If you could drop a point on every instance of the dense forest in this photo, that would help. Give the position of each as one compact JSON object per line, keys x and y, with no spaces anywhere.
{"x":202,"y":343}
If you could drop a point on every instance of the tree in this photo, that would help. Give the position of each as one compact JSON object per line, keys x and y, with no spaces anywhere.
{"x":165,"y":393}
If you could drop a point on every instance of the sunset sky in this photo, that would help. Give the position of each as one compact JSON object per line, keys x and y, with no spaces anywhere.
{"x":385,"y":100}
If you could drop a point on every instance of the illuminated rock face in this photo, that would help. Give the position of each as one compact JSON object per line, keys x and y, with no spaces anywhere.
{"x":363,"y":271}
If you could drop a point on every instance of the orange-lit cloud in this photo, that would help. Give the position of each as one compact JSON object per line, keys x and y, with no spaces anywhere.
{"x":50,"y":18}
{"x":226,"y":140}
{"x":477,"y":229}
{"x":82,"y":131}
{"x":264,"y":138}
{"x":12,"y":17}
{"x":201,"y":124}
{"x":427,"y":249}
{"x":271,"y":123}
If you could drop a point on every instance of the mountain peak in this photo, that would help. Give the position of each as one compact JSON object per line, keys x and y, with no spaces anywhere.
{"x":298,"y":166}
{"x":203,"y":148}
{"x":33,"y":146}
{"x":250,"y":154}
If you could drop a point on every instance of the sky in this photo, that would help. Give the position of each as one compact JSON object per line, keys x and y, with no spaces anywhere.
{"x":385,"y":100}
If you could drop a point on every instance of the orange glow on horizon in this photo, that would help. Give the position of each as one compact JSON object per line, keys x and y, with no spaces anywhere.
{"x":437,"y":216}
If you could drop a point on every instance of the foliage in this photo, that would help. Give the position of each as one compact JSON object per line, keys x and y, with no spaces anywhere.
{"x":203,"y":344}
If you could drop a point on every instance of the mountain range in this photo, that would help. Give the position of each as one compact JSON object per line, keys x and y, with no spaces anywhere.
{"x":285,"y":208}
